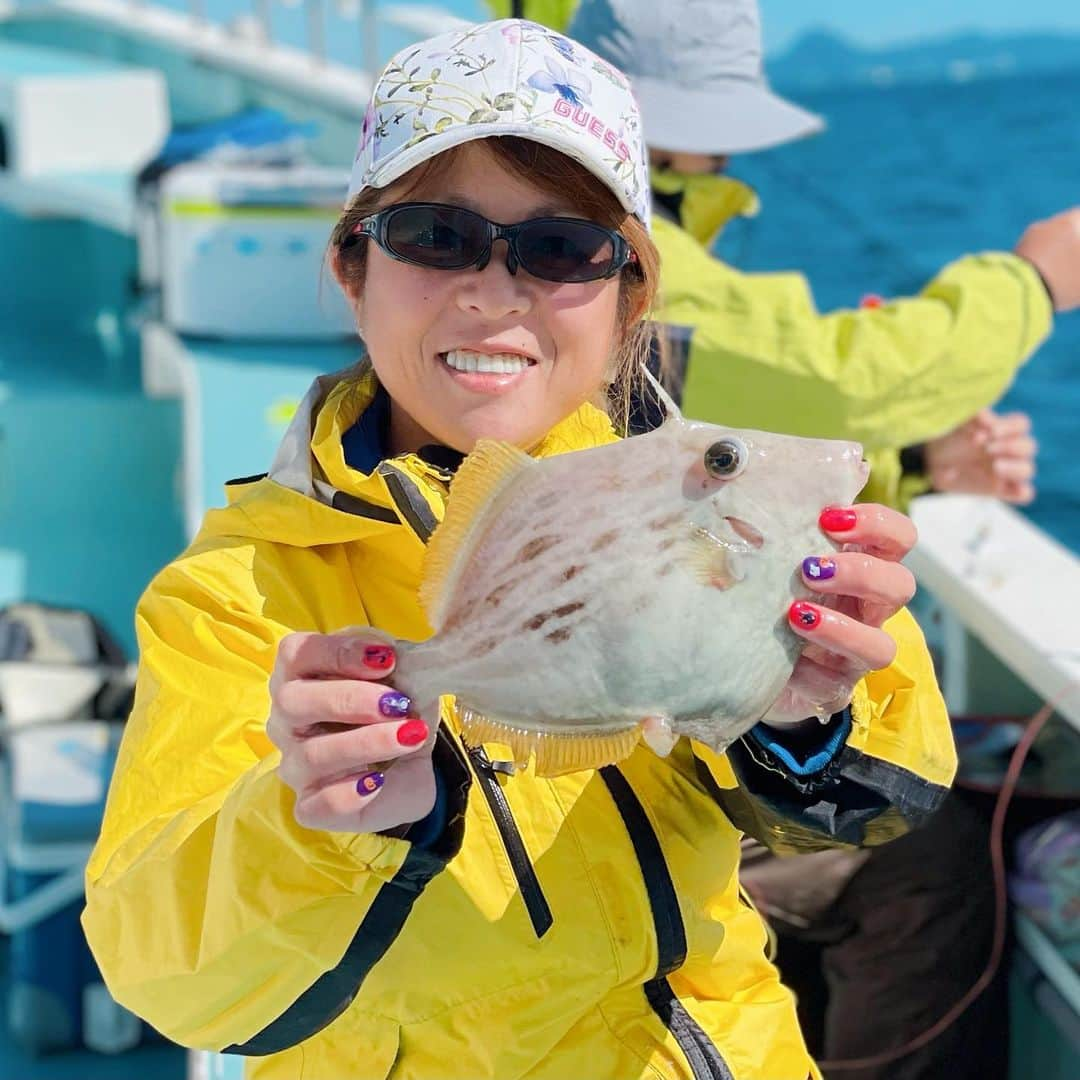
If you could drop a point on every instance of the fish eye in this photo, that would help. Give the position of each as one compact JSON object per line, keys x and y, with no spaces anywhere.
{"x":726,"y":459}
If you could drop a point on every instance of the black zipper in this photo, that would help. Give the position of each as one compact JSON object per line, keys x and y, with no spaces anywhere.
{"x":535,"y":902}
{"x":416,"y":513}
{"x":701,"y":1053}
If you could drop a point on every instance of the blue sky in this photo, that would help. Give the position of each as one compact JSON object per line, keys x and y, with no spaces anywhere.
{"x":874,"y":22}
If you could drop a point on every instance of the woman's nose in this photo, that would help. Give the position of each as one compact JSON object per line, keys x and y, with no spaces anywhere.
{"x":495,"y":291}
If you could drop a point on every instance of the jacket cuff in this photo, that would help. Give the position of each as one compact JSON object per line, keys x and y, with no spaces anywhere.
{"x":426,"y":832}
{"x":803,"y":755}
{"x":1045,"y":283}
{"x":442,"y":829}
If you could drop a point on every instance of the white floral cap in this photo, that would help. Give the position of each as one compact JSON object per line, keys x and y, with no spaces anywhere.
{"x":509,"y":77}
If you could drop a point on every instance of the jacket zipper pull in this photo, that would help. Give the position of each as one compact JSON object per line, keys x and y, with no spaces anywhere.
{"x":479,"y":754}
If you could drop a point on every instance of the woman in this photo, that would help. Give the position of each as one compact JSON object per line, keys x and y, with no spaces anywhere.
{"x":260,"y":885}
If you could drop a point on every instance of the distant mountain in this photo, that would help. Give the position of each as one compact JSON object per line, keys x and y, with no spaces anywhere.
{"x":823,"y":58}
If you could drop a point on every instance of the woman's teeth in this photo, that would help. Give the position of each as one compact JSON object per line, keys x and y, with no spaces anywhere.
{"x":500,"y":363}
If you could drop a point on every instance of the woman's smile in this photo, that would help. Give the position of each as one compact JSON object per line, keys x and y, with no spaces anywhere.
{"x":484,"y":372}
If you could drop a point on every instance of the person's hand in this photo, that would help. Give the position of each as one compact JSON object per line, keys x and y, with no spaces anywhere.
{"x":863,"y":584}
{"x":1052,"y":246}
{"x":357,"y":757}
{"x":989,"y":455}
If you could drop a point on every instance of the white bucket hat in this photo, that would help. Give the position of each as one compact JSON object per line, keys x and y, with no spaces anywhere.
{"x":695,"y":66}
{"x":510,"y":77}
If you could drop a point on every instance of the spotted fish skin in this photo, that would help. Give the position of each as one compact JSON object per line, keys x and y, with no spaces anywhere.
{"x":575,"y":595}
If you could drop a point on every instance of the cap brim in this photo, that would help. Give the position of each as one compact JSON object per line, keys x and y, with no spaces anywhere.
{"x":399,"y":164}
{"x":734,"y":117}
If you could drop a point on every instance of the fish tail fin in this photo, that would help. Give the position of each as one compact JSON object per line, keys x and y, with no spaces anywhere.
{"x":555,"y":752}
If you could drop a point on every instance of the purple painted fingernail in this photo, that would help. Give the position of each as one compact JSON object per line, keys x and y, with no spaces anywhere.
{"x":369,"y":783}
{"x":395,"y":704}
{"x":818,"y":569}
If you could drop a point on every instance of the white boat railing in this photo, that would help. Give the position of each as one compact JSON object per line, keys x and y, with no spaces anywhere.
{"x":246,"y":45}
{"x":977,"y":556}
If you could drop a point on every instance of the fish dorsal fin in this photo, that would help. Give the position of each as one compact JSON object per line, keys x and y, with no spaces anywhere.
{"x":671,"y":410}
{"x":483,"y":476}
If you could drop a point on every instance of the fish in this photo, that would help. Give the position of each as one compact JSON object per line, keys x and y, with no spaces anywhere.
{"x":637,"y":590}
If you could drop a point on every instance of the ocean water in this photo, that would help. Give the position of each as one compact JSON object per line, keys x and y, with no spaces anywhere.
{"x":906,"y":179}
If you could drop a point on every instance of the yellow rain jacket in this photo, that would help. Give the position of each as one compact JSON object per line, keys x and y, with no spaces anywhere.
{"x":752,"y":350}
{"x":584,"y":926}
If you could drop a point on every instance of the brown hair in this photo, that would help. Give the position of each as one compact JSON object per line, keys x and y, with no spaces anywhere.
{"x":555,"y":174}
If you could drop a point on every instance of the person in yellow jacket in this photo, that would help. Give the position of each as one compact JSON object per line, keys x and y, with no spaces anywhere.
{"x":295,"y":867}
{"x":752,"y":349}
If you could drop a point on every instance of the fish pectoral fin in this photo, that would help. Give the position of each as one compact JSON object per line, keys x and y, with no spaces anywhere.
{"x":711,"y":560}
{"x":486,"y":473}
{"x":556,"y":752}
{"x":658,"y":734}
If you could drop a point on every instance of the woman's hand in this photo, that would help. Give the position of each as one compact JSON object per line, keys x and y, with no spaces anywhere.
{"x":863,"y":584}
{"x":989,"y":455}
{"x":351,"y":748}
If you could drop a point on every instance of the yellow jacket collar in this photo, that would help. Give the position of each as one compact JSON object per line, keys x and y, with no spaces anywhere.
{"x":709,"y":202}
{"x":311,"y":496}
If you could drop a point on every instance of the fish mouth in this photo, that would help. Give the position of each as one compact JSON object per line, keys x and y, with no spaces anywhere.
{"x":745,"y":531}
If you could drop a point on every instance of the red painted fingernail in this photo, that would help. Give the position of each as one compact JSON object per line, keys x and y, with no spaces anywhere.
{"x":804,"y":615}
{"x":412,"y":733}
{"x":837,"y":519}
{"x":380,"y":657}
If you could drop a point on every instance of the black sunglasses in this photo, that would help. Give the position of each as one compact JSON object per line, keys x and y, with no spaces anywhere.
{"x":451,"y":238}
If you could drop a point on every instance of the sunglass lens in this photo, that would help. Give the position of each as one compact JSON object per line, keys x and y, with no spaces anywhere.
{"x":566,"y":250}
{"x":444,"y":238}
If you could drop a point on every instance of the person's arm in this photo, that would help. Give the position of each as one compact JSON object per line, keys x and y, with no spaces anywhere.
{"x":760,"y":354}
{"x":211,"y":912}
{"x":880,"y":768}
{"x":1052,"y":247}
